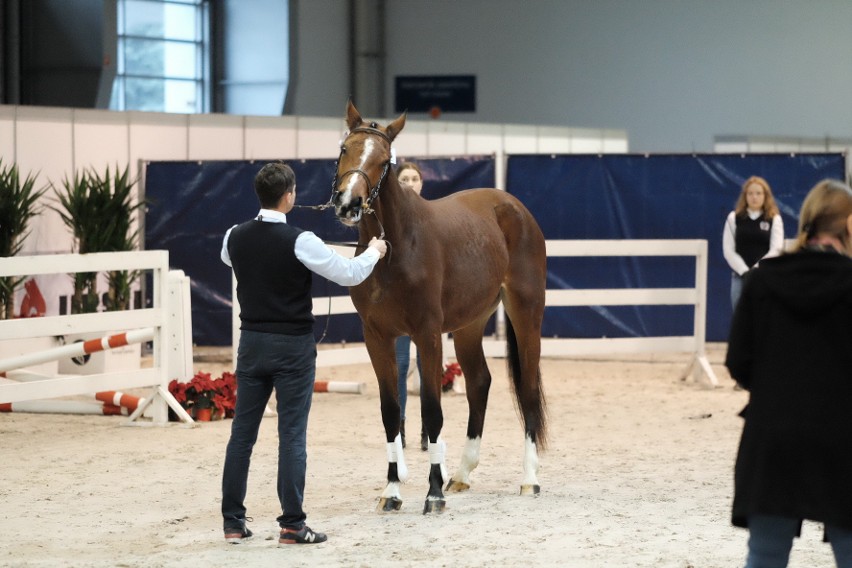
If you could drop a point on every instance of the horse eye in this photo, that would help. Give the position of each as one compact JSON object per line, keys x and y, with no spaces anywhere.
{"x":342,"y":149}
{"x":374,"y":125}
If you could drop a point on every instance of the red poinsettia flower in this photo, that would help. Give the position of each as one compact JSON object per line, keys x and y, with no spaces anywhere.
{"x":451,"y":371}
{"x":202,"y":391}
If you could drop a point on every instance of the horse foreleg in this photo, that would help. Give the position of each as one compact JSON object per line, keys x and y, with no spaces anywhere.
{"x":468,"y":343}
{"x":391,"y":498}
{"x":431,"y":356}
{"x":384,"y":364}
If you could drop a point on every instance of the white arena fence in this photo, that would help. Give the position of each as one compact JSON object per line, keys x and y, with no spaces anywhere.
{"x":167,"y":322}
{"x":695,"y":296}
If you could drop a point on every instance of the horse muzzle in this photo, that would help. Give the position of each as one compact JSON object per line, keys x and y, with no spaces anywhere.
{"x":348,"y":211}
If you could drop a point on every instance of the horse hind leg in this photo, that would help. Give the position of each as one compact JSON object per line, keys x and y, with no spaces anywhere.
{"x":523,"y":349}
{"x":468,"y":344}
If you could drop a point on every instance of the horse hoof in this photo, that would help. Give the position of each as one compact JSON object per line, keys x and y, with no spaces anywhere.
{"x":387,"y":504}
{"x":530,"y":489}
{"x":457,"y":486}
{"x":434,"y":506}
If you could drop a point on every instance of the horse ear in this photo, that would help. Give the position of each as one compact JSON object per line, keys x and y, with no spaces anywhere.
{"x":395,"y":127}
{"x":353,"y":117}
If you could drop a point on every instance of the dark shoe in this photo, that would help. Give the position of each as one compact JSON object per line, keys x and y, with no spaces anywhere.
{"x":424,"y":440}
{"x":402,"y":431}
{"x":303,"y":535}
{"x":237,"y":535}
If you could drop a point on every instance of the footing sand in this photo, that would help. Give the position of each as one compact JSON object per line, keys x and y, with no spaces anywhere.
{"x":639,"y":472}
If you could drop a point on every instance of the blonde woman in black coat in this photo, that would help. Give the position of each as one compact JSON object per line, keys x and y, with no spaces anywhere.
{"x":790,"y":346}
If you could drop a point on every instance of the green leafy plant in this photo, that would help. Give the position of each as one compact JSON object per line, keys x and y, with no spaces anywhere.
{"x":18,"y":205}
{"x":99,"y":212}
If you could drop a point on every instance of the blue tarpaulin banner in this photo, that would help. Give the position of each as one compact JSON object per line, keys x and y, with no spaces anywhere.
{"x":192,"y":204}
{"x":651,"y":197}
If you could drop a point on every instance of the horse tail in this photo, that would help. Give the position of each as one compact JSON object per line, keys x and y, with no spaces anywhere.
{"x":529,"y":396}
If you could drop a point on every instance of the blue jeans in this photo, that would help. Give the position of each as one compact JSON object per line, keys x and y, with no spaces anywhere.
{"x":286,"y":363}
{"x":403,"y":359}
{"x":771,"y":539}
{"x":736,"y":289}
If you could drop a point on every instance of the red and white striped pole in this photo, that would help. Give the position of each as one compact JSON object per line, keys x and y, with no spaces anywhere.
{"x":339,"y":386}
{"x":64,"y":407}
{"x":119,"y":400}
{"x":78,"y":349}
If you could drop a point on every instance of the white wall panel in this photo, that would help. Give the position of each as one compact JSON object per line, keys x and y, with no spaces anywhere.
{"x":44,"y":145}
{"x":446,"y":138}
{"x":7,"y":135}
{"x":270,"y":137}
{"x":518,"y":139}
{"x":615,"y":142}
{"x":215,"y":137}
{"x":413,"y":140}
{"x":100,"y":140}
{"x":319,"y":137}
{"x":484,"y":139}
{"x":554,"y":140}
{"x":158,"y":136}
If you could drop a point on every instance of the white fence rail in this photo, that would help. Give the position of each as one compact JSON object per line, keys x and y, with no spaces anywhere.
{"x":158,"y":317}
{"x":695,"y":296}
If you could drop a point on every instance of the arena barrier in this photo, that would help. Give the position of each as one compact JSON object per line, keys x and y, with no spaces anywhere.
{"x":496,"y":346}
{"x":167,"y":322}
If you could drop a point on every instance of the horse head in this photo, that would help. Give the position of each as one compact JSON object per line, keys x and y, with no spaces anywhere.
{"x":363,"y":165}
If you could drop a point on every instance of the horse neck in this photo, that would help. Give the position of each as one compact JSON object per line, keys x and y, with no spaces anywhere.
{"x":395,"y":210}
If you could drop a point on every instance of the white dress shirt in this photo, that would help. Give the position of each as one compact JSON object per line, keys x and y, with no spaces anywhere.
{"x":317,"y":256}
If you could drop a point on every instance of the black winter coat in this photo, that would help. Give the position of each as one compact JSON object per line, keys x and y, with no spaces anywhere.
{"x":791,"y":346}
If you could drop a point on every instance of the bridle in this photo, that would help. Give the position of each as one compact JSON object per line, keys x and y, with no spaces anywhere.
{"x":374,"y":189}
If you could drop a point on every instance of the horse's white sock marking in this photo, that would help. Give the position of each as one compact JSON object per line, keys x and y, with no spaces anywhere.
{"x":530,"y":462}
{"x":392,"y":491}
{"x":469,"y":460}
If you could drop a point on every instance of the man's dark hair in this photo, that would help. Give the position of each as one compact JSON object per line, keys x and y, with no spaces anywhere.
{"x":272,"y":182}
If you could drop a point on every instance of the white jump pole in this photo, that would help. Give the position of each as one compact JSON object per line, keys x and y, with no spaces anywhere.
{"x":64,"y":407}
{"x":78,"y":349}
{"x":339,"y":386}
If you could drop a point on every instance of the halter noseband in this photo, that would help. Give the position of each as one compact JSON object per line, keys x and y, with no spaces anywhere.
{"x":374,"y":189}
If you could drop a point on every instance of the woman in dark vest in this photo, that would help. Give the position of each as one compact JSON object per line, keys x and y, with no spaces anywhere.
{"x":753,"y":231}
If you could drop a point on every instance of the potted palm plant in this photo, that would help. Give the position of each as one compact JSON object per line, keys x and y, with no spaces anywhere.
{"x":19,"y":200}
{"x":99,"y":211}
{"x":18,"y":205}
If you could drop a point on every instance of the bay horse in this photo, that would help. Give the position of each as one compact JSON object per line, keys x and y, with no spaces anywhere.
{"x":450,"y":262}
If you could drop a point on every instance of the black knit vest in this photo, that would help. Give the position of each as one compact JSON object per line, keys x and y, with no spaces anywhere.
{"x":752,"y":238}
{"x":273,"y":286}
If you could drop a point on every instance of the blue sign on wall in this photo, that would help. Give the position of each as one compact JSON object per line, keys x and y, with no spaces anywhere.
{"x":448,"y":93}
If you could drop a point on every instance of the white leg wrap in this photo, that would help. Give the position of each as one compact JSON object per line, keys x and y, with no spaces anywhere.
{"x":396,"y":455}
{"x":437,"y":455}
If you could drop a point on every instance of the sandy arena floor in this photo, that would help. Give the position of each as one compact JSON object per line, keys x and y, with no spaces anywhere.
{"x":638,"y":473}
